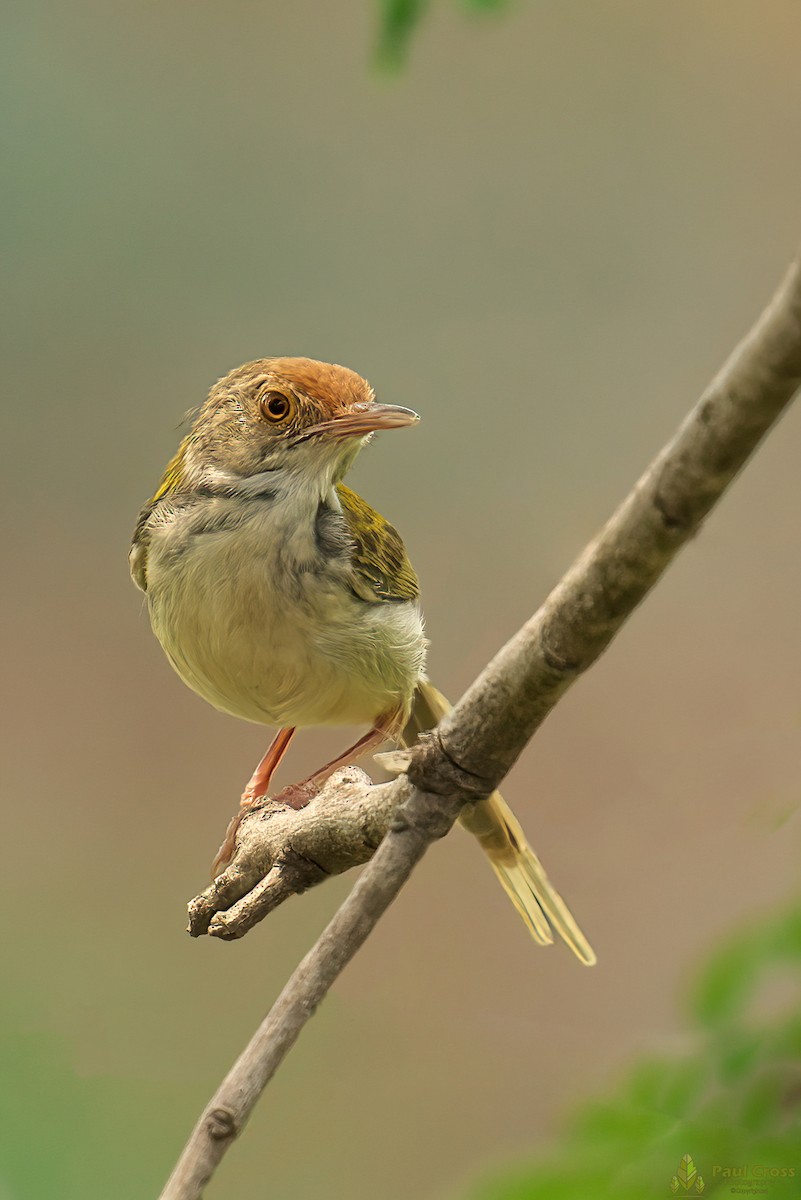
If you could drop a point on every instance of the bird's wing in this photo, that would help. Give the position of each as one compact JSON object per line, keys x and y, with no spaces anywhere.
{"x":170,"y":482}
{"x":381,"y":570}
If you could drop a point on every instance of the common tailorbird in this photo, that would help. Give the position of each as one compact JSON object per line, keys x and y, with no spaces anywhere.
{"x":282,"y":597}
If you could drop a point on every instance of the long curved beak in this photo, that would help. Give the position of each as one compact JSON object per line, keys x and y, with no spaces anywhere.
{"x":360,"y":422}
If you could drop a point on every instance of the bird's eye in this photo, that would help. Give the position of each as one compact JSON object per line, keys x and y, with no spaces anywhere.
{"x":276,"y":406}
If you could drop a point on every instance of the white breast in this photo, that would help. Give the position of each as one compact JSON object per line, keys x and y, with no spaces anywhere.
{"x":256,"y":621}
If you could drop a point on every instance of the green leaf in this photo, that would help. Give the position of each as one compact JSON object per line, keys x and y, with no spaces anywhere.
{"x":728,"y":982}
{"x":725,"y":983}
{"x":399,"y":19}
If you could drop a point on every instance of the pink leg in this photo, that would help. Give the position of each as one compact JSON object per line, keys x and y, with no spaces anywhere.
{"x":386,"y":728}
{"x":257,"y":788}
{"x":375,"y":737}
{"x":259,"y":784}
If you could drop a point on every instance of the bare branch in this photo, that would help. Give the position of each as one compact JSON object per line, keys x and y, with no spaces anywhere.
{"x":281,"y":851}
{"x":411,"y":830}
{"x":477,"y":743}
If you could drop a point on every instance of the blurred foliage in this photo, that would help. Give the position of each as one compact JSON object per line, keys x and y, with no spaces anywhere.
{"x":399,"y":20}
{"x":731,"y":1099}
{"x":67,"y":1135}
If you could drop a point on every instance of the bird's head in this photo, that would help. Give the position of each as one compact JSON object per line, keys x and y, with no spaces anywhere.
{"x":290,"y":415}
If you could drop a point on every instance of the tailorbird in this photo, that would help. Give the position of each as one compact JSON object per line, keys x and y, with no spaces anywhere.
{"x":282,"y":597}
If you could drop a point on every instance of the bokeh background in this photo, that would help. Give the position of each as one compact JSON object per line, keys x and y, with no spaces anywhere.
{"x":545,"y":233}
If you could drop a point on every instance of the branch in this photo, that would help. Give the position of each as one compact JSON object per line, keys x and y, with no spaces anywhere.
{"x":498,"y":714}
{"x":468,"y":755}
{"x":282,"y":850}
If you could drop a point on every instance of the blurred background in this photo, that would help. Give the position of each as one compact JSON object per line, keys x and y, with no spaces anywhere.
{"x":545,"y":233}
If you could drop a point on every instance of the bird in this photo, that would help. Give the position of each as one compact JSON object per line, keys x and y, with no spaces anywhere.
{"x":282,"y":597}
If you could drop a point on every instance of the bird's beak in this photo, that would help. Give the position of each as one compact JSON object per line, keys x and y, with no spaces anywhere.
{"x":370,"y":420}
{"x":359,"y":422}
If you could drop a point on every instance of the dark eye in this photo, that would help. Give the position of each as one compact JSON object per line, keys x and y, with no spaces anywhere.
{"x":275,"y":406}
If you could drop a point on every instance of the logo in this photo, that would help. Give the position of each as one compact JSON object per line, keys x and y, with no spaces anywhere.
{"x":687,"y":1178}
{"x":744,"y":1179}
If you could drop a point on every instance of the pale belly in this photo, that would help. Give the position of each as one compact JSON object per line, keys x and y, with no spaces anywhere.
{"x":279,"y":646}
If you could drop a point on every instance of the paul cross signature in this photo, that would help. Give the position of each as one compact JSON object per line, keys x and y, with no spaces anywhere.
{"x":687,"y":1178}
{"x":754,"y":1171}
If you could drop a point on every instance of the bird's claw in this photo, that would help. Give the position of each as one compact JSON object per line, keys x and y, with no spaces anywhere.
{"x":262,"y":861}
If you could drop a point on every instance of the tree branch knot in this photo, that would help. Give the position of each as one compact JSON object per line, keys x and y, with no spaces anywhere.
{"x":433,"y":770}
{"x":221,"y":1123}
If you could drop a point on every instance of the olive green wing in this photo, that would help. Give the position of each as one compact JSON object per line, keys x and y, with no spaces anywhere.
{"x":381,"y":567}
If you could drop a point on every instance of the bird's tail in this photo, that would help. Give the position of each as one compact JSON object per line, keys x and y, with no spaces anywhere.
{"x":500,"y":836}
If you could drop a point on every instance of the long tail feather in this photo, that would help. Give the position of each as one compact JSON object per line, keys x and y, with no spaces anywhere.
{"x":499,"y":834}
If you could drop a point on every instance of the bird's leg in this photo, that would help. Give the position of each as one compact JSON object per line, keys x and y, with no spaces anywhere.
{"x":387,"y":728}
{"x":257,"y":789}
{"x":259,"y":783}
{"x":375,"y":737}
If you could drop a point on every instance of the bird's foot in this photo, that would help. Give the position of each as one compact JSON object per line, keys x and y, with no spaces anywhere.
{"x":295,"y":796}
{"x":281,"y":851}
{"x":298,"y":795}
